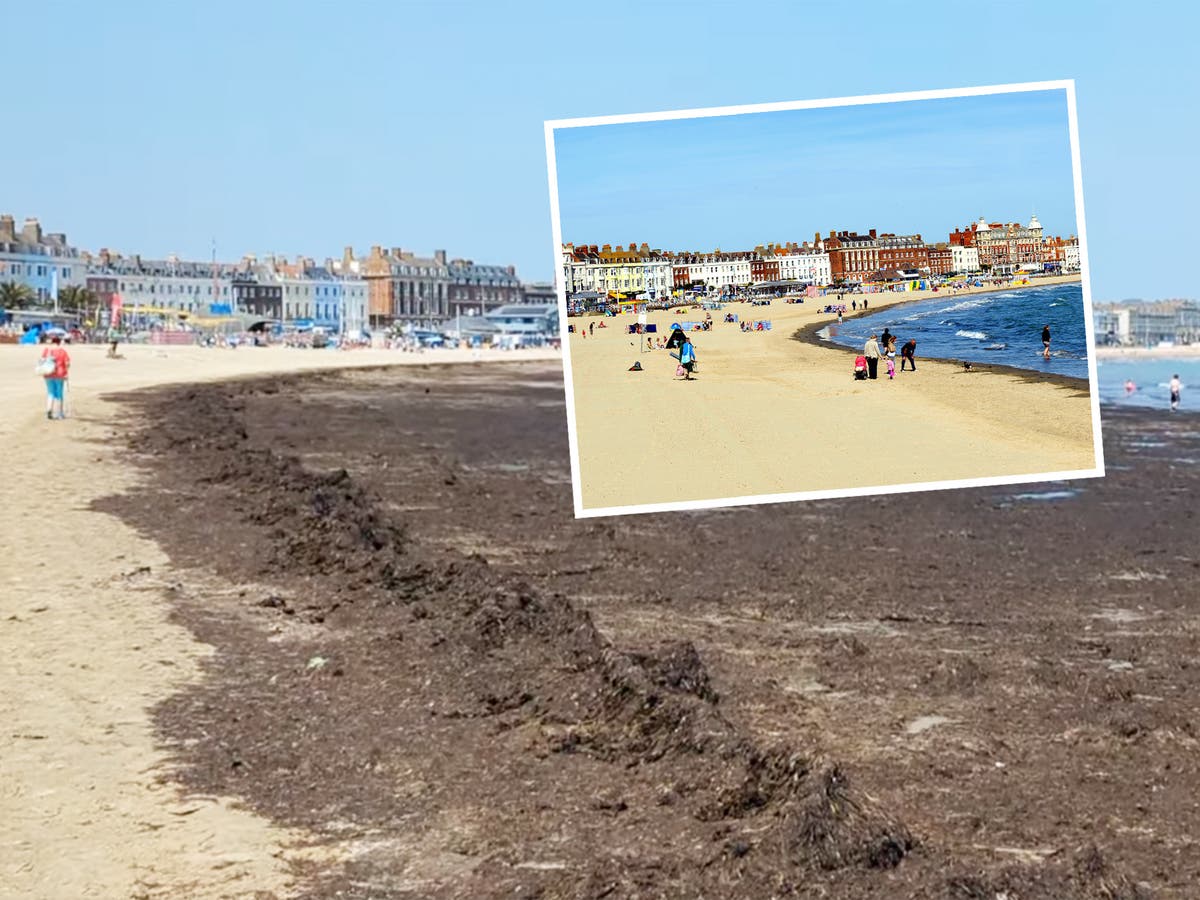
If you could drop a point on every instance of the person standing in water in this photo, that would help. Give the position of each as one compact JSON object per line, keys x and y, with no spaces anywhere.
{"x":1045,"y":342}
{"x":1176,"y":386}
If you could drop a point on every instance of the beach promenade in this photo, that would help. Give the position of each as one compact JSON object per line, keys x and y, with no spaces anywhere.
{"x":87,"y":648}
{"x":771,"y":414}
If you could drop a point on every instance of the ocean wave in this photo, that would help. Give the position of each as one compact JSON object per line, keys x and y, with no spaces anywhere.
{"x":975,"y":335}
{"x":996,"y":347}
{"x":968,"y":304}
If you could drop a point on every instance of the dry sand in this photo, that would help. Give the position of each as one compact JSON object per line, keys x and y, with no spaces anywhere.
{"x":768,"y":414}
{"x":87,"y":807}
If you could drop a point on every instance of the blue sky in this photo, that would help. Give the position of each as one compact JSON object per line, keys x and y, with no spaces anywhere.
{"x":300,"y":127}
{"x":734,"y":181}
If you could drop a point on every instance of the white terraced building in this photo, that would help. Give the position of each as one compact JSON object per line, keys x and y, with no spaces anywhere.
{"x":716,"y":269}
{"x":809,"y":266}
{"x":964,"y":259}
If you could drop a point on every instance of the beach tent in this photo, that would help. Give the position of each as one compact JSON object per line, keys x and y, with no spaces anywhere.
{"x":676,"y":337}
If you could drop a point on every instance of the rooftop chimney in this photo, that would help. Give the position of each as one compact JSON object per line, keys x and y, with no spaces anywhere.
{"x":8,"y":229}
{"x":31,"y":232}
{"x":440,"y":256}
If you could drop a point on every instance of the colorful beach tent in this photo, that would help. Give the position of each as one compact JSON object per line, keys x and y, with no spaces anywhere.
{"x":676,"y":337}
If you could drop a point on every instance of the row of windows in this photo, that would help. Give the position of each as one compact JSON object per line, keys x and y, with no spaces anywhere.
{"x":33,"y":270}
{"x":184,"y":289}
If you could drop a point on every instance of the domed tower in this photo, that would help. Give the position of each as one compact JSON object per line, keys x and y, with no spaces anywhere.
{"x":1034,"y":224}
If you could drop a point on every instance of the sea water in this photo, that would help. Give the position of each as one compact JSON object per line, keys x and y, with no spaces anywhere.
{"x":1000,"y":327}
{"x":1151,"y":377}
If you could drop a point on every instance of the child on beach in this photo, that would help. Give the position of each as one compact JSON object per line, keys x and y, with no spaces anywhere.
{"x":891,"y":364}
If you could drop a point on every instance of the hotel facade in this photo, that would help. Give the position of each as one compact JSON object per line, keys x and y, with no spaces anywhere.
{"x":839,"y":258}
{"x":350,"y":294}
{"x":43,"y":263}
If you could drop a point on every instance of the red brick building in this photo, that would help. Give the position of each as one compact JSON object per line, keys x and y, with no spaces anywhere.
{"x":903,"y":253}
{"x":763,"y":267}
{"x":941,"y":260}
{"x":853,"y":257}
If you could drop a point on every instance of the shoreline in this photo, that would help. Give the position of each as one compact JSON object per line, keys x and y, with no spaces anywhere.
{"x":808,"y":334}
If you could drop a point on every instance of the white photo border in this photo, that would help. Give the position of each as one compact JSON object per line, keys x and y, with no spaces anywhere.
{"x":551,"y":125}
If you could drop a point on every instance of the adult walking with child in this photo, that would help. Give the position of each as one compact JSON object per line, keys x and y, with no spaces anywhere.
{"x":871,"y":352}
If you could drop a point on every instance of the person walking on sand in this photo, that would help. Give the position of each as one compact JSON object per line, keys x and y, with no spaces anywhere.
{"x":871,"y":352}
{"x":592,"y":328}
{"x":1176,"y":386}
{"x":55,"y":368}
{"x":1045,"y":342}
{"x":907,"y":355}
{"x":687,"y":357}
{"x":891,"y":364}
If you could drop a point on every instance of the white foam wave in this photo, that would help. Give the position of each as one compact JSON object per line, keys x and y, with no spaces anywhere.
{"x":975,"y":335}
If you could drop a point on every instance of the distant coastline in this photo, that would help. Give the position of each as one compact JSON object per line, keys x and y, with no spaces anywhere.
{"x":1174,"y":351}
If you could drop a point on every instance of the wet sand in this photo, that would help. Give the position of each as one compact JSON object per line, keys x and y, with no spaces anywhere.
{"x":768,"y":414}
{"x":424,"y":662}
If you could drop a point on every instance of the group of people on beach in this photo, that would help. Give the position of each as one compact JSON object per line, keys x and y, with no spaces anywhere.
{"x":877,"y":347}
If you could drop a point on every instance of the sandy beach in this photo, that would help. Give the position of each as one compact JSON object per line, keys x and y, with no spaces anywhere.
{"x":771,"y":414}
{"x":88,"y":649}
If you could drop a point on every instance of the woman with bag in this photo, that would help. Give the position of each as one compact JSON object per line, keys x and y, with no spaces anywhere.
{"x":54,"y":367}
{"x":687,"y":358}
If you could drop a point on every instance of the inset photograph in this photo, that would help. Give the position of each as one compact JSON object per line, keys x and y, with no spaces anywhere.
{"x":824,"y":298}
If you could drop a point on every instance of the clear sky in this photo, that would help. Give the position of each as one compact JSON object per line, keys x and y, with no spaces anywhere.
{"x":734,"y":181}
{"x":300,"y":127}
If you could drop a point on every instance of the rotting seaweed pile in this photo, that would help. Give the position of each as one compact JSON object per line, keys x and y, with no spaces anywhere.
{"x":778,"y":820}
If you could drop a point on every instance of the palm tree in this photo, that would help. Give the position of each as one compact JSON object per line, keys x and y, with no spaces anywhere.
{"x":14,"y":295}
{"x":77,"y":299}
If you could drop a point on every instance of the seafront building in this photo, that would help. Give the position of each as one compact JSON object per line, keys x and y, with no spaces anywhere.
{"x":169,"y":285}
{"x":347,"y":295}
{"x":1137,"y":323}
{"x":625,"y":274}
{"x":620,"y":271}
{"x":43,"y":263}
